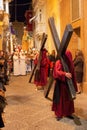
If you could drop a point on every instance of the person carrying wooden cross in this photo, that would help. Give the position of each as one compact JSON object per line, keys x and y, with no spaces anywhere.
{"x":62,"y":104}
{"x":42,"y":70}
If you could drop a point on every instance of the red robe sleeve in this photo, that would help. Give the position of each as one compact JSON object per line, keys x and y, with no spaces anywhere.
{"x":58,"y":71}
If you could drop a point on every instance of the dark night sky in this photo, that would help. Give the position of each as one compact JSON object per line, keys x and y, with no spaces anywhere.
{"x":17,"y":9}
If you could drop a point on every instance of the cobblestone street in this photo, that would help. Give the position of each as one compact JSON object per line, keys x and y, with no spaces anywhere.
{"x":27,"y":108}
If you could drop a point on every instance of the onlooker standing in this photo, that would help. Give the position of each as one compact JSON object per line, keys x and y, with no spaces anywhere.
{"x":3,"y":103}
{"x":79,"y":64}
{"x":52,"y":59}
{"x":3,"y":68}
{"x":28,"y":63}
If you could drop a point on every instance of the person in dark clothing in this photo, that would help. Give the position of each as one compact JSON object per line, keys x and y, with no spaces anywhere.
{"x":2,"y":87}
{"x":79,"y":64}
{"x":1,"y":122}
{"x":62,"y":104}
{"x":52,"y":56}
{"x":3,"y":68}
{"x":3,"y":103}
{"x":52,"y":59}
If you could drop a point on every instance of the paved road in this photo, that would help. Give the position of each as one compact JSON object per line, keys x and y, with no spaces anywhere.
{"x":27,"y":108}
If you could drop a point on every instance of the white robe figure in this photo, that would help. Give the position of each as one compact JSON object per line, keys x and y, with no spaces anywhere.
{"x":16,"y":65}
{"x":22,"y":64}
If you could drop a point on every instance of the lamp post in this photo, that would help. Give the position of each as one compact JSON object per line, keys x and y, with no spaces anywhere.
{"x":1,"y":4}
{"x":1,"y":10}
{"x":7,"y":6}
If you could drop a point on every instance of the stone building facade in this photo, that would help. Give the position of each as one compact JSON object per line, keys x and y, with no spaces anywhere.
{"x":74,"y":12}
{"x":64,"y":12}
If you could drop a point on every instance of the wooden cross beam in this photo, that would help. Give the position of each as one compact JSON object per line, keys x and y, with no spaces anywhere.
{"x":44,"y":38}
{"x":61,"y":48}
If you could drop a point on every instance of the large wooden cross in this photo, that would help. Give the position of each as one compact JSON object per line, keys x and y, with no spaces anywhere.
{"x":44,"y":38}
{"x":61,"y":48}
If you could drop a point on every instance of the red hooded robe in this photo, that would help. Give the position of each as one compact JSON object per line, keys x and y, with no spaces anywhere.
{"x":43,"y":69}
{"x":62,"y":104}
